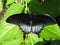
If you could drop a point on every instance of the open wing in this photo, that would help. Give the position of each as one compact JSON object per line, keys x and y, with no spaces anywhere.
{"x":39,"y":21}
{"x":22,"y":20}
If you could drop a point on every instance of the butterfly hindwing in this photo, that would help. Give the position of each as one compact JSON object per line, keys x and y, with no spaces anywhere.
{"x":37,"y":28}
{"x":25,"y":28}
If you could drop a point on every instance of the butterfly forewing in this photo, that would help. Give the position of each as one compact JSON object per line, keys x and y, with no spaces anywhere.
{"x":22,"y":20}
{"x":19,"y":18}
{"x":43,"y":19}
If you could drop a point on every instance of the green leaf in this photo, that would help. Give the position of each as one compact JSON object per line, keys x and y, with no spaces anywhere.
{"x":34,"y":40}
{"x":10,"y":2}
{"x":13,"y":9}
{"x":55,"y":42}
{"x":11,"y":34}
{"x":36,"y":7}
{"x":52,"y":7}
{"x":51,"y":32}
{"x":27,"y":1}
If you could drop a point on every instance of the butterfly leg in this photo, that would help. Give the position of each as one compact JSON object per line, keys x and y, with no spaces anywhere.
{"x":38,"y":35}
{"x":24,"y":36}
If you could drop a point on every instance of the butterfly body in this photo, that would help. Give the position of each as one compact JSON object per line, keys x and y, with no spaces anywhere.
{"x":31,"y":23}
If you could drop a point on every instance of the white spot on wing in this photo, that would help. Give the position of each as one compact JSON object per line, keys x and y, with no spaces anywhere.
{"x":36,"y":28}
{"x":25,"y":28}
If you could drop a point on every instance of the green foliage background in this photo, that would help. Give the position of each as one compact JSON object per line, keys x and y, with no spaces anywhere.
{"x":11,"y":34}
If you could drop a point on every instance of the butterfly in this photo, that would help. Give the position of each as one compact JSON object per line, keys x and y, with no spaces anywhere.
{"x":58,"y":20}
{"x":31,"y":23}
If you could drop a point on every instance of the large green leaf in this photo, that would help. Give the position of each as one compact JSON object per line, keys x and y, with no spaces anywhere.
{"x":51,"y":32}
{"x":27,"y":1}
{"x":35,"y":7}
{"x":13,"y":9}
{"x":10,"y":34}
{"x":52,"y":7}
{"x":10,"y":2}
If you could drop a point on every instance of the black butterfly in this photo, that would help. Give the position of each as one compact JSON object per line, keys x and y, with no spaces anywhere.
{"x":31,"y":23}
{"x":58,"y":20}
